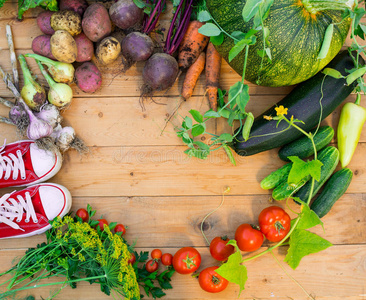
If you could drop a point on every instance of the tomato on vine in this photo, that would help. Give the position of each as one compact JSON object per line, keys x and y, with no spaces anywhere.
{"x":156,"y":254}
{"x":248,"y":238}
{"x":132,"y":259}
{"x":82,"y":214}
{"x":151,"y":266}
{"x":212,"y":282}
{"x":219,"y":249}
{"x":274,"y":223}
{"x":120,"y":228}
{"x":101,"y":223}
{"x":186,"y":260}
{"x":167,"y":259}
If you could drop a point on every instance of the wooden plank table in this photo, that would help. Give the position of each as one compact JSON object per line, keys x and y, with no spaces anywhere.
{"x":137,"y":177}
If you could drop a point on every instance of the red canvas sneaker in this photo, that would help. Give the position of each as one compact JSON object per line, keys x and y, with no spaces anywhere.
{"x":23,"y":163}
{"x":27,"y":212}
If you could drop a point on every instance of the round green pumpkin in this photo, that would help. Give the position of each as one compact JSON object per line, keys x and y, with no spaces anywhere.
{"x":295,"y":39}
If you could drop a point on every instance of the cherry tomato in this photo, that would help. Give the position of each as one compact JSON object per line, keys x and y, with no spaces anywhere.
{"x":167,"y":259}
{"x":219,"y":250}
{"x":212,"y":282}
{"x":248,"y":238}
{"x":83,"y":214}
{"x":120,"y":228}
{"x":132,"y":259}
{"x":186,"y":260}
{"x":275,"y":223}
{"x":101,"y":223}
{"x":156,"y":254}
{"x":151,"y":266}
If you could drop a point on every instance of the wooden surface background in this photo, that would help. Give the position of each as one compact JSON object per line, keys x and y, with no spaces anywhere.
{"x":143,"y":180}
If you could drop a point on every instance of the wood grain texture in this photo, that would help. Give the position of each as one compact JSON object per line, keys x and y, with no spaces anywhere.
{"x":176,"y":221}
{"x":143,"y":180}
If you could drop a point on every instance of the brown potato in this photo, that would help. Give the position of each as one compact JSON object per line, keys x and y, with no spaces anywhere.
{"x":96,"y":22}
{"x":108,"y":50}
{"x":66,"y":20}
{"x":63,"y":46}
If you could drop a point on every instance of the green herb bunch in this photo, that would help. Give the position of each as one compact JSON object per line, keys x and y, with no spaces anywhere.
{"x":75,"y":251}
{"x":24,"y":5}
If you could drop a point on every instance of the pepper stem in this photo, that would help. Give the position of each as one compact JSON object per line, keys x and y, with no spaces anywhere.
{"x":314,"y":6}
{"x":358,"y":99}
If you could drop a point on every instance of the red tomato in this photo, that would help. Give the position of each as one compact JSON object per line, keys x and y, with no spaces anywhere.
{"x":167,"y":259}
{"x":151,"y":266}
{"x":212,"y":282}
{"x":156,"y":254}
{"x":101,"y":223}
{"x":186,"y":260}
{"x":219,"y":250}
{"x":132,"y":259}
{"x":83,"y":214}
{"x":275,"y":223}
{"x":248,"y":238}
{"x":120,"y":228}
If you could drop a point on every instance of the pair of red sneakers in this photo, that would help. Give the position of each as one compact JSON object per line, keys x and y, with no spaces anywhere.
{"x":27,"y":212}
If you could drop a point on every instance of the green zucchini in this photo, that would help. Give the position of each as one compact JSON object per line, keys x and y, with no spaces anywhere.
{"x":303,"y":104}
{"x":329,"y":157}
{"x":285,"y":190}
{"x":335,"y":187}
{"x":303,"y":147}
{"x":276,"y":177}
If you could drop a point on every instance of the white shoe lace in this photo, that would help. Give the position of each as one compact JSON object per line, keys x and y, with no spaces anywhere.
{"x":11,"y":209}
{"x":11,"y":164}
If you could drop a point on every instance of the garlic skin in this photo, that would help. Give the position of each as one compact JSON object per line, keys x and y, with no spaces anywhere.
{"x":65,"y":137}
{"x":50,"y":114}
{"x":38,"y":128}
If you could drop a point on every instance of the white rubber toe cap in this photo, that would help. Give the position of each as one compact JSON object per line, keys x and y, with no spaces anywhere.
{"x":56,"y":200}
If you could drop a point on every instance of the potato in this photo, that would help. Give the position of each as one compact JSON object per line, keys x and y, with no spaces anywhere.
{"x":78,"y":6}
{"x":63,"y":46}
{"x":88,"y":77}
{"x":42,"y":45}
{"x":66,"y":20}
{"x":108,"y":50}
{"x":85,"y":48}
{"x":96,"y":22}
{"x":44,"y":22}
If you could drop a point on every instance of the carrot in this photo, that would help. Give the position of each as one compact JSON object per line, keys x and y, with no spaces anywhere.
{"x":192,"y":45}
{"x":192,"y":75}
{"x":213,"y":66}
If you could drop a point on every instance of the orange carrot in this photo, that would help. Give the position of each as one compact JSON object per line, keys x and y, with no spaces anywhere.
{"x":192,"y":45}
{"x":192,"y":75}
{"x":213,"y":66}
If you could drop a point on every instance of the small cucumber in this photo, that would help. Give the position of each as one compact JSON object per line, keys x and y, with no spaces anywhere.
{"x":303,"y":147}
{"x":335,"y":187}
{"x":330,"y":158}
{"x":284,"y":190}
{"x":276,"y":177}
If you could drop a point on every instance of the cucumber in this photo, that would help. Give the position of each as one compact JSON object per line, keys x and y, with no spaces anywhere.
{"x":276,"y":177}
{"x":284,"y":190}
{"x":335,"y":187}
{"x":303,"y":104}
{"x":329,"y":157}
{"x":303,"y":147}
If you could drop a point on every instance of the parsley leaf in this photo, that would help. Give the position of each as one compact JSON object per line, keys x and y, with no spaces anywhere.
{"x":302,"y":243}
{"x":301,"y":169}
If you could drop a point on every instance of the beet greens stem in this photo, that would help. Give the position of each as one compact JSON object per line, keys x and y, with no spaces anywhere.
{"x":172,"y":27}
{"x":179,"y":34}
{"x":154,"y":17}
